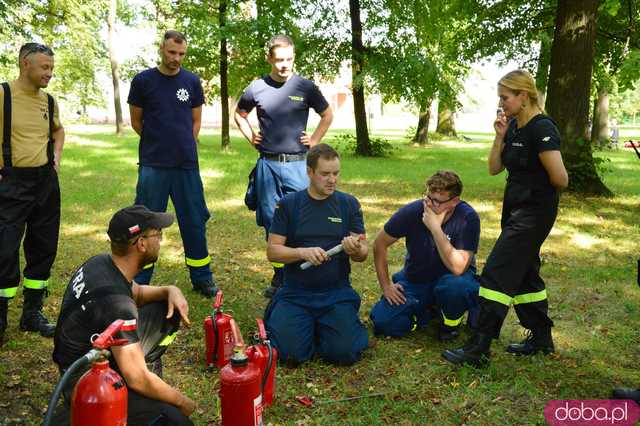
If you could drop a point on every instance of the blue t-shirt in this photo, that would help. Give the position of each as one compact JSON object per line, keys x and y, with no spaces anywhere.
{"x":307,"y":222}
{"x":167,"y":124}
{"x":422,"y":263}
{"x":283,"y":111}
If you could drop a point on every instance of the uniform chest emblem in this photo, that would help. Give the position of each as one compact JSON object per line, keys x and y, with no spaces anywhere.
{"x":518,"y":144}
{"x":296,"y":98}
{"x":182,"y":95}
{"x":335,"y":219}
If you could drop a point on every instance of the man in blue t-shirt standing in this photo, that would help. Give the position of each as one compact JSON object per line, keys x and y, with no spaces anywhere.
{"x":438,"y":279}
{"x":166,"y":111}
{"x":316,"y":311}
{"x":282,"y":100}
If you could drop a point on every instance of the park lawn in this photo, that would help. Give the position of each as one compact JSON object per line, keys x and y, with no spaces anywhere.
{"x":589,"y":266}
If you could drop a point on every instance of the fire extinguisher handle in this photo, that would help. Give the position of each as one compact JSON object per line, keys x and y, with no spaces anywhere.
{"x":237,"y":335}
{"x":262,"y":331}
{"x":218,"y":301}
{"x":105,"y":340}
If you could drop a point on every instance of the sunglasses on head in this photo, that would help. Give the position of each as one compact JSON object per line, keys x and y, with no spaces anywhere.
{"x":29,"y":48}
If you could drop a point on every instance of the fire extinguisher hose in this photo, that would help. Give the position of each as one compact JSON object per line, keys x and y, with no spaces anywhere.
{"x":267,"y":370}
{"x":77,"y":365}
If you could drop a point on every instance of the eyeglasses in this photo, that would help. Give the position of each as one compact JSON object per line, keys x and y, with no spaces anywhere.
{"x":158,"y":235}
{"x":29,"y":48}
{"x":434,"y":201}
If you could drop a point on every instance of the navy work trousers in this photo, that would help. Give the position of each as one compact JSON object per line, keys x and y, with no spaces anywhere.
{"x":274,"y":180}
{"x":451,"y":296}
{"x":303,"y":322}
{"x":184,"y":186}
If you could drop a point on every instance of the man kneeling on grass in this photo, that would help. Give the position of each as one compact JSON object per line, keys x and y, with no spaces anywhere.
{"x":441,"y":234}
{"x":101,"y":291}
{"x":316,"y":311}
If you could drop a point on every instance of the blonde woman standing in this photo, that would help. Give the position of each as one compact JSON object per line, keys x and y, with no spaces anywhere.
{"x":527,"y":145}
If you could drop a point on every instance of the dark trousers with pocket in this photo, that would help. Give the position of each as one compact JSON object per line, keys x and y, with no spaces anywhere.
{"x":29,"y":207}
{"x":512,"y":272}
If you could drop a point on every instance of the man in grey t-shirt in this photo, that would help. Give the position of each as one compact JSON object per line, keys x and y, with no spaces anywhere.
{"x":282,"y":100}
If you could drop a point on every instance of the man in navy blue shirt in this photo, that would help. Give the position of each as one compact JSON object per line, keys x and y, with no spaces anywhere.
{"x":282,"y":101}
{"x":316,"y":311}
{"x":166,"y":111}
{"x":441,"y":235}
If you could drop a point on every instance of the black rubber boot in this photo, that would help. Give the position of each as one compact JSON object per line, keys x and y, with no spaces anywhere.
{"x":538,"y":340}
{"x":626,"y":393}
{"x":4,"y":309}
{"x":206,"y":288}
{"x":475,"y":352}
{"x":276,"y":282}
{"x":32,"y":318}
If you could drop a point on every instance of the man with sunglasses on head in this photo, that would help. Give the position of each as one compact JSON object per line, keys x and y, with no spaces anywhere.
{"x":32,"y":140}
{"x":441,"y":235}
{"x":101,"y":291}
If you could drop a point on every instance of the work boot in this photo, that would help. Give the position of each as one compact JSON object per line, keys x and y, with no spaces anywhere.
{"x":447,"y":333}
{"x":4,"y":309}
{"x":626,"y":393}
{"x":32,"y":318}
{"x":276,"y":283}
{"x":475,"y":352}
{"x":537,"y":340}
{"x":206,"y":288}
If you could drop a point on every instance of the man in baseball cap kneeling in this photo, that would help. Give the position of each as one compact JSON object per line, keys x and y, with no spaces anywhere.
{"x":101,"y":291}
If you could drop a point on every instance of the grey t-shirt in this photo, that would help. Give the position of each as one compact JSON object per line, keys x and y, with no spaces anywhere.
{"x":283,"y":111}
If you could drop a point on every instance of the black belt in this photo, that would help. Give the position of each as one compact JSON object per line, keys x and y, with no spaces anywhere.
{"x":27,"y":172}
{"x":283,"y":158}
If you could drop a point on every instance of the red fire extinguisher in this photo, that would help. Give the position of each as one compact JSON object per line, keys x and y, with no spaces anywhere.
{"x":240,"y":396}
{"x":265,"y":357}
{"x":100,"y":396}
{"x":219,"y":335}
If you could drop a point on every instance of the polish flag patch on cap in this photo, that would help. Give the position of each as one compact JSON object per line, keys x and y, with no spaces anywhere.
{"x":134,"y":229}
{"x":129,"y":325}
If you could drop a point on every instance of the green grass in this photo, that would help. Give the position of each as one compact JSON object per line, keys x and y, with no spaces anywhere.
{"x":589,"y":266}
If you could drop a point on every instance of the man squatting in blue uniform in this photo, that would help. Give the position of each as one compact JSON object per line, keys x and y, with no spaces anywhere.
{"x":316,"y":310}
{"x":441,"y":235}
{"x":166,"y":111}
{"x":282,"y":100}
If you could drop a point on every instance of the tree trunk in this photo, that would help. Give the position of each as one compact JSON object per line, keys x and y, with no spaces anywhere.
{"x":224,"y":84}
{"x":542,"y":71}
{"x":600,"y":125}
{"x":569,"y":87}
{"x":446,"y":123}
{"x":363,"y":144}
{"x":422,"y":131}
{"x":115,"y":72}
